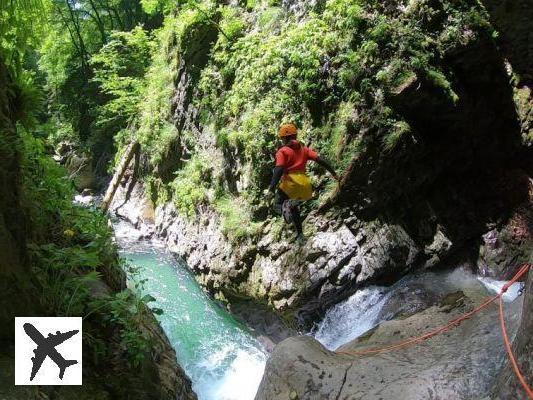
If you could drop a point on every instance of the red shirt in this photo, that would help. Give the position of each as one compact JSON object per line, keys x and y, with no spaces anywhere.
{"x":293,"y":157}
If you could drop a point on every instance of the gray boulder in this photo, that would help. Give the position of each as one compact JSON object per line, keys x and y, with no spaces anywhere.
{"x":456,"y":365}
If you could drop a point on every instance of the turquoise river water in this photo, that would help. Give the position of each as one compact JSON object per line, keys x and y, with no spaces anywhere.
{"x":222,"y":358}
{"x":220,"y":355}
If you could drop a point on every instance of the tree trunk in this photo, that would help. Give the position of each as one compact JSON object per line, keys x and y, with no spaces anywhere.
{"x":132,"y":149}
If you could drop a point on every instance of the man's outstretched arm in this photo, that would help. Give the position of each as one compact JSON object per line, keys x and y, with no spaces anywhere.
{"x":327,"y":166}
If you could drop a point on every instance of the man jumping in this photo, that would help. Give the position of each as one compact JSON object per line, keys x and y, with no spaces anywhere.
{"x":291,"y":160}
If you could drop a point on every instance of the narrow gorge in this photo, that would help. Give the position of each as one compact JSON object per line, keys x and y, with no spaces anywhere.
{"x":191,"y":285}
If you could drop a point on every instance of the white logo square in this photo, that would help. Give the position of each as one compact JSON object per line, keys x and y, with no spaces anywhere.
{"x":48,"y":350}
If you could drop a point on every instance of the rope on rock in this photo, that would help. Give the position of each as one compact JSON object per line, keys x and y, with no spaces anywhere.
{"x":508,"y":347}
{"x":455,"y":322}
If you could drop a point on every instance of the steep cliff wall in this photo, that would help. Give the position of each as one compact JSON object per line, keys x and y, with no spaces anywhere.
{"x":47,"y":270}
{"x":421,"y":106}
{"x":413,"y":102}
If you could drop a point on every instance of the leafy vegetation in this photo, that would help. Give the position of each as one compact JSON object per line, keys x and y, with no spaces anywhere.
{"x":235,"y":217}
{"x":200,"y":104}
{"x":190,"y":185}
{"x":71,"y":249}
{"x":330,"y":72}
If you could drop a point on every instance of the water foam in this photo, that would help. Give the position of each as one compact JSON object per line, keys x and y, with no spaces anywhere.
{"x":351,"y":318}
{"x":223,"y":360}
{"x":496,"y":286}
{"x":238,"y":381}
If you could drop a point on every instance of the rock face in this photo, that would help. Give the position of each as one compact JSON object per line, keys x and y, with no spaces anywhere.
{"x":81,"y":171}
{"x":462,"y":174}
{"x":459,"y":364}
{"x":513,"y":21}
{"x":507,"y":385}
{"x":165,"y":379}
{"x":456,"y":190}
{"x":341,"y":255}
{"x":504,"y":249}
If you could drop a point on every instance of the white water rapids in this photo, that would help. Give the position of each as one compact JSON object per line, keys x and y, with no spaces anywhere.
{"x":351,"y":318}
{"x":220,"y":356}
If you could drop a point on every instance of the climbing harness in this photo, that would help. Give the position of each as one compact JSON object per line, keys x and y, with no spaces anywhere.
{"x":455,"y":322}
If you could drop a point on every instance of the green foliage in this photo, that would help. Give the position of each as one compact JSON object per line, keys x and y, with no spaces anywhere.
{"x":330,"y":72}
{"x":391,"y":141}
{"x":155,"y":130}
{"x":274,"y":77}
{"x":270,"y":18}
{"x":70,"y":248}
{"x":46,"y":190}
{"x":93,"y":56}
{"x":156,"y":190}
{"x":119,"y":69}
{"x":28,"y":102}
{"x":126,"y":309}
{"x":232,"y":24}
{"x":21,"y":23}
{"x":189,"y":187}
{"x":236,"y":219}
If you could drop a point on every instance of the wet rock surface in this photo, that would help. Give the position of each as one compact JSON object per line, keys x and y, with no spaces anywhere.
{"x":502,"y":250}
{"x":335,"y":260}
{"x":80,"y":170}
{"x":340,"y":256}
{"x":507,"y":385}
{"x":267,"y":326}
{"x":459,"y":364}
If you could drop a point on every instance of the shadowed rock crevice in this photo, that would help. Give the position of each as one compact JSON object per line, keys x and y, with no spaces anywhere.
{"x":463,"y":168}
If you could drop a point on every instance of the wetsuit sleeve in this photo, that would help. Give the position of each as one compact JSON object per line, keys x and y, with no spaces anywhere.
{"x":326,"y":165}
{"x":277,"y":173}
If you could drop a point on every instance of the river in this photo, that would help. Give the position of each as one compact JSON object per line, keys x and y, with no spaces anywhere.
{"x":219,"y":354}
{"x":222,"y":358}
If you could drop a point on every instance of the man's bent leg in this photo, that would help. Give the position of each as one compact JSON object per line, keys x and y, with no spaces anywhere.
{"x":297,"y":219}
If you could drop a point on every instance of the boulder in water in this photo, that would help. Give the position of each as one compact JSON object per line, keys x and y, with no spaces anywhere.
{"x":458,"y":364}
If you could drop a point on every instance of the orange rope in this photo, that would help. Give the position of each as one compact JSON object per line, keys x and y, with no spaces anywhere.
{"x":514,"y":364}
{"x":455,"y":322}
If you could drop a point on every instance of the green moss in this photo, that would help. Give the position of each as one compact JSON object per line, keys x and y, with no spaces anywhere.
{"x":232,"y":24}
{"x":270,"y":18}
{"x":236,"y":219}
{"x":330,"y":72}
{"x":189,"y":187}
{"x":391,"y":141}
{"x":155,"y":130}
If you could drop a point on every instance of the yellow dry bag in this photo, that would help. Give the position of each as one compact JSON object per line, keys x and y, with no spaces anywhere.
{"x":297,"y":186}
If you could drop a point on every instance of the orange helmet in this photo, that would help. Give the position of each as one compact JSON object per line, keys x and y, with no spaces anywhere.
{"x":287,"y":130}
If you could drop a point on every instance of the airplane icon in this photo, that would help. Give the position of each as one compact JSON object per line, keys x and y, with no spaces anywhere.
{"x":46,"y":347}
